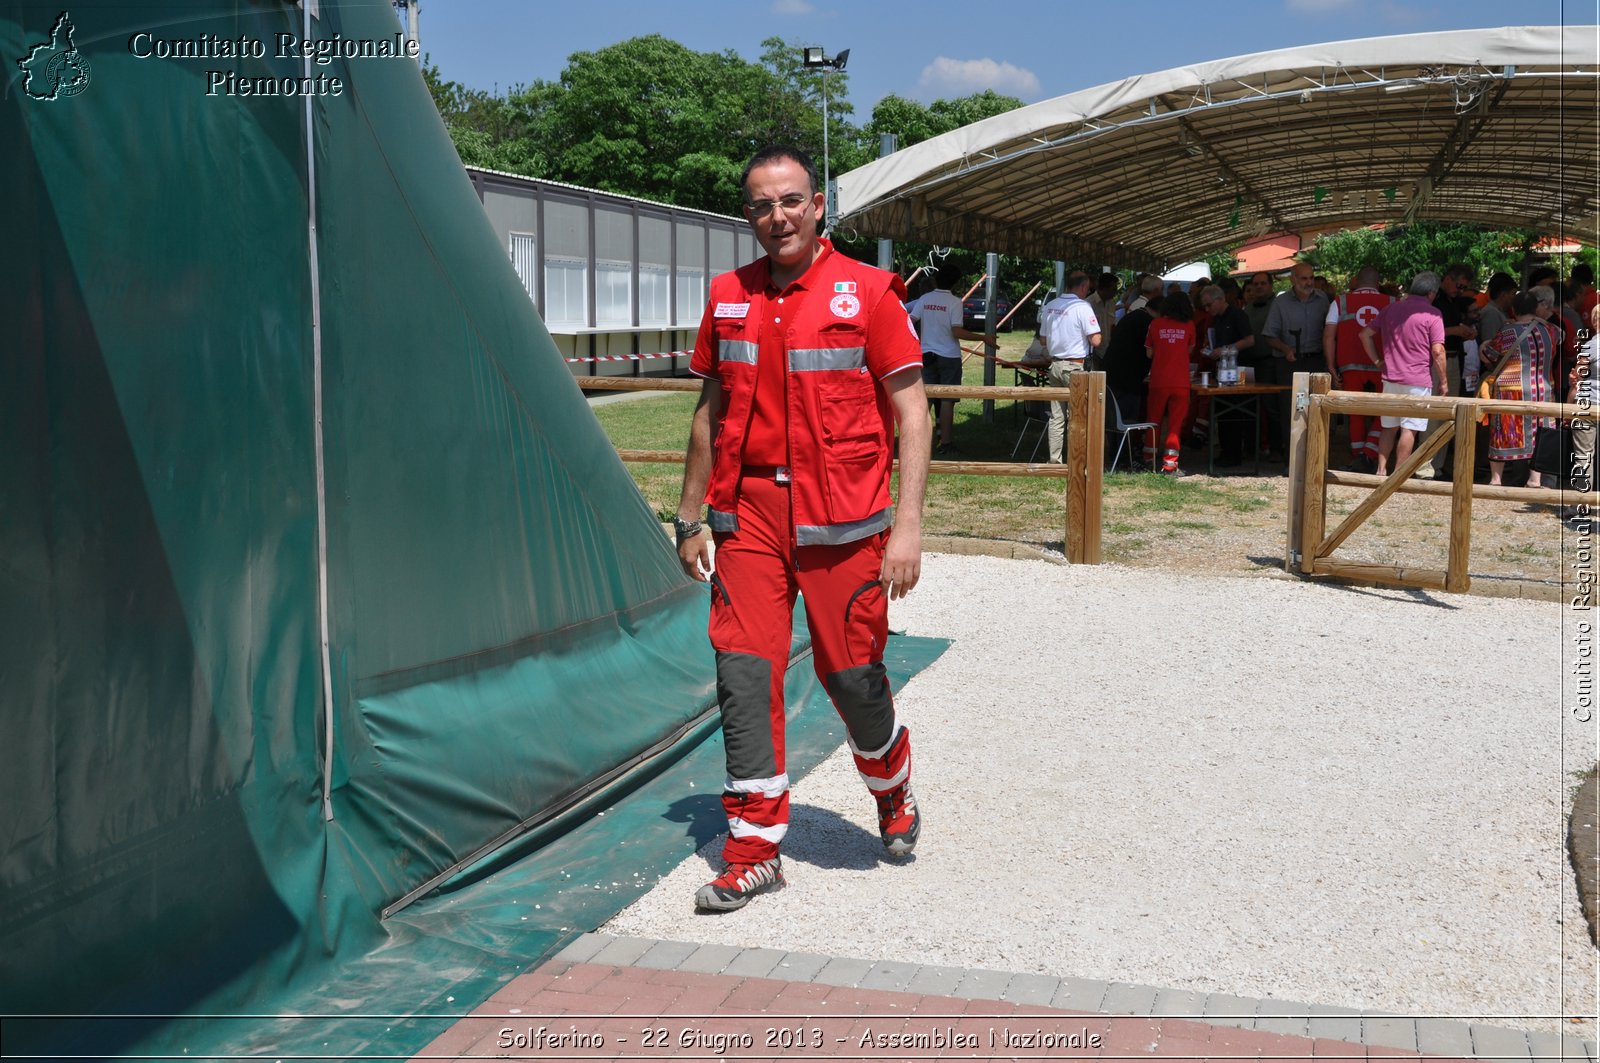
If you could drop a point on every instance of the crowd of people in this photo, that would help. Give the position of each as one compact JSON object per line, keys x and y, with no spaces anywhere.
{"x":1440,"y":335}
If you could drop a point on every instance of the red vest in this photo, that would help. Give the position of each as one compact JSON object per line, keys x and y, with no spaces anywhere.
{"x":1357,"y":310}
{"x":840,"y":422}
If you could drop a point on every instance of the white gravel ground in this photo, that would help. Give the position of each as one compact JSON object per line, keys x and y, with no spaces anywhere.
{"x":1336,"y":796}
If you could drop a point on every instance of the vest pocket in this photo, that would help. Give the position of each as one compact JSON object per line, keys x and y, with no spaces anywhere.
{"x":851,"y":426}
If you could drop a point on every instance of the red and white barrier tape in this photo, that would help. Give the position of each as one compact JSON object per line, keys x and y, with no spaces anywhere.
{"x":629,"y":357}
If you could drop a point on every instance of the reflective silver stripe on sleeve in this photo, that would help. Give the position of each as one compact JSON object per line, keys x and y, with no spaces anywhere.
{"x":834,"y":534}
{"x":810,"y":360}
{"x":721,"y":521}
{"x":736,"y":351}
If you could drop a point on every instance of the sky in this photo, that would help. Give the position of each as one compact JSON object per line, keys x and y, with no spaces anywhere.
{"x":1024,"y":48}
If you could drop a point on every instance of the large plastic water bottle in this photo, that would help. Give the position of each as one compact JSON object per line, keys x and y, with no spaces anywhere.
{"x":1227,"y":366}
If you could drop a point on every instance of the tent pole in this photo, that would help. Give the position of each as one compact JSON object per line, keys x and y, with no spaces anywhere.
{"x":316,"y":392}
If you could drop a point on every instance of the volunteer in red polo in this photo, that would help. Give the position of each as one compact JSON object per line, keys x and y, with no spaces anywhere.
{"x":809,"y":363}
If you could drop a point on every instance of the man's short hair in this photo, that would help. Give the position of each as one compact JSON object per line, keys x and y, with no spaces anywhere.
{"x":1367,"y":277}
{"x":1109,"y":280}
{"x":1583,"y":273}
{"x":1229,"y":286}
{"x":1501,"y":283}
{"x":1075,"y":279}
{"x":1210,"y":291}
{"x":777,"y":153}
{"x":1150,"y":285}
{"x":1542,"y":275}
{"x":1425,"y":283}
{"x":1525,"y":302}
{"x":1262,"y":275}
{"x":1461,"y":272}
{"x":1544,"y":293}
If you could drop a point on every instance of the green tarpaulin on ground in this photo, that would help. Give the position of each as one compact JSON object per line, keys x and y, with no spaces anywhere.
{"x":507,"y":630}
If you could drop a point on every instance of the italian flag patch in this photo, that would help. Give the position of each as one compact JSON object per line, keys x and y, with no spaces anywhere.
{"x":847,"y":287}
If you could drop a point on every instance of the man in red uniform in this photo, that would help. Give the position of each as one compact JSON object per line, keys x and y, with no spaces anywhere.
{"x":1348,"y":363}
{"x":809,"y":362}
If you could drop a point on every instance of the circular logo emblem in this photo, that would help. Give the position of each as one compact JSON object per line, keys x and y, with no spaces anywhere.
{"x":1366,"y":315}
{"x":68,"y":73}
{"x":845,"y":306}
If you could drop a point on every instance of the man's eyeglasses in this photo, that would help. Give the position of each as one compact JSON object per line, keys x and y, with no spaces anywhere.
{"x":791,"y":204}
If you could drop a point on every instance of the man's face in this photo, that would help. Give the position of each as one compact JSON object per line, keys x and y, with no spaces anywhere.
{"x":1108,"y":291}
{"x":1258,"y":288}
{"x":1302,"y":279}
{"x":783,"y":211}
{"x":1215,"y":305}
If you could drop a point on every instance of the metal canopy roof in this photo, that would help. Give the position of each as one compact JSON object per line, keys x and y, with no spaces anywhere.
{"x":1497,"y":126}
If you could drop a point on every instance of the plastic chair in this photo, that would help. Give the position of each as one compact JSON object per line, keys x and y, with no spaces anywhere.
{"x":1032,"y":413}
{"x":1126,"y":429}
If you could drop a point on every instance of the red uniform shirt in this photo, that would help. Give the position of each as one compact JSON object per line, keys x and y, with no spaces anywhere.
{"x":799,"y":388}
{"x":1170,"y":343}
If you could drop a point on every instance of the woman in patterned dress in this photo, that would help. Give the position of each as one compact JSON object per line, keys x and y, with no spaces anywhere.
{"x":1529,"y":344}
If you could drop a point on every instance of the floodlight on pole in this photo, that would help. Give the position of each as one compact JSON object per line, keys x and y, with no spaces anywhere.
{"x":817,"y":58}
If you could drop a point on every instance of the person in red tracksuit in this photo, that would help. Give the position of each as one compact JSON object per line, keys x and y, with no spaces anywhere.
{"x":1351,"y":368}
{"x":809,"y":363}
{"x":1168,"y":344}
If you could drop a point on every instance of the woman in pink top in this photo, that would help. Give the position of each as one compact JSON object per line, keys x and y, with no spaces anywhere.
{"x":1168,"y":344}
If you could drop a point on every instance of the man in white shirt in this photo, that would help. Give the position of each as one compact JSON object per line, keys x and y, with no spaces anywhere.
{"x":1069,"y":332}
{"x":1104,"y":303}
{"x":938,"y":316}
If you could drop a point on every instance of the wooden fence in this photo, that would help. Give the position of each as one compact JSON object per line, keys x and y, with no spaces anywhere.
{"x":1310,"y":546}
{"x":1084,"y":458}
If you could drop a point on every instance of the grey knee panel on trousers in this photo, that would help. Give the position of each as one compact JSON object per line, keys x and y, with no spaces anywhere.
{"x":744,"y":690}
{"x":862,"y":697}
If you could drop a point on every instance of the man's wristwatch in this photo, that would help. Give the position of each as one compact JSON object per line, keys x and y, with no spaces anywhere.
{"x":685,"y":529}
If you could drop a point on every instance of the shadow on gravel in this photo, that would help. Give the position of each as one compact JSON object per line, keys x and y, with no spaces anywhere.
{"x":822,"y":838}
{"x":1393,"y":594}
{"x":1583,"y":848}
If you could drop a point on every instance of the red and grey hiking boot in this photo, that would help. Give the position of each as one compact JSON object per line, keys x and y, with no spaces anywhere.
{"x":738,"y":883}
{"x":899,"y":822}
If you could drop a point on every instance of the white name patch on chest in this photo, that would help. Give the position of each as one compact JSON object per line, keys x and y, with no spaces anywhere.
{"x":732,"y":310}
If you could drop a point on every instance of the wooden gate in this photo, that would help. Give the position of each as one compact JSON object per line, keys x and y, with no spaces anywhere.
{"x":1310,"y":546}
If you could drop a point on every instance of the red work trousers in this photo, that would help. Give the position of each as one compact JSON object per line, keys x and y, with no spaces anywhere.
{"x":759,"y":571}
{"x":1172,"y":404}
{"x":1364,"y":430}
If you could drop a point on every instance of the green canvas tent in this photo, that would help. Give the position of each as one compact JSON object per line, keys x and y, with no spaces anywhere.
{"x":318,"y":580}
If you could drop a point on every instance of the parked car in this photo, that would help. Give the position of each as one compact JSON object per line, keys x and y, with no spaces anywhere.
{"x":976,"y":312}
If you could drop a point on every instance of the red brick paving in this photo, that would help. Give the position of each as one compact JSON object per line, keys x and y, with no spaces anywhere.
{"x":621,"y":1012}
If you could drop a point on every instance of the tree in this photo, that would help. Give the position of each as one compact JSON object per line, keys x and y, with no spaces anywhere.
{"x":911,"y":123}
{"x":1221,"y":264}
{"x":1400,"y":252}
{"x":648,"y":117}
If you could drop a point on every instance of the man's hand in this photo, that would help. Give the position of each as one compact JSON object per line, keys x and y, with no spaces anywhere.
{"x":902,"y":560}
{"x":695,"y":554}
{"x":902,"y":554}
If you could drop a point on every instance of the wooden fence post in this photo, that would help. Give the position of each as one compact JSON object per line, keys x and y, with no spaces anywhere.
{"x":1456,"y":577}
{"x":1293,"y":547}
{"x":1094,"y":459}
{"x":1313,"y":463}
{"x":1076,"y":446}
